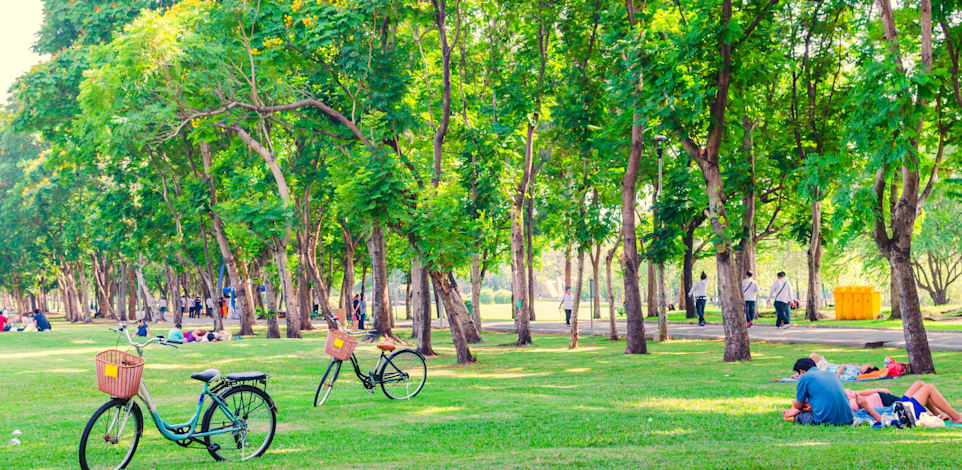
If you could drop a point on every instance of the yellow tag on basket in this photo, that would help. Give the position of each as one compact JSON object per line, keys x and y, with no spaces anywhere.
{"x":338,"y":343}
{"x":110,"y":370}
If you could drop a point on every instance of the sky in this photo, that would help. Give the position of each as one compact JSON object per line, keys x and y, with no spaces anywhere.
{"x":19,"y":23}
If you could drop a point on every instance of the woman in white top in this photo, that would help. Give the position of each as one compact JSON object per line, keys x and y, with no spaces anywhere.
{"x":750,"y":292}
{"x":782,"y":295}
{"x":699,"y":292}
{"x":567,"y":304}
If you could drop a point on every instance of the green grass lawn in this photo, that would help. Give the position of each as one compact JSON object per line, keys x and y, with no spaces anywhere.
{"x":543,"y":406}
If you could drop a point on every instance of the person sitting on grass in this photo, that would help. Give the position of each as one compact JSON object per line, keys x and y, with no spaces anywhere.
{"x":175,"y":333}
{"x":40,"y":320}
{"x":819,"y":397}
{"x":4,"y":324}
{"x":28,"y":323}
{"x":926,"y":397}
{"x":142,"y":329}
{"x":844,"y":372}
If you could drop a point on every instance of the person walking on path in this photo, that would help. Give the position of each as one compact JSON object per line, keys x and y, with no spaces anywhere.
{"x":750,"y":292}
{"x":183,"y":305}
{"x":568,"y":304}
{"x":699,"y":292}
{"x":210,"y":307}
{"x":361,"y":312}
{"x":782,"y":296}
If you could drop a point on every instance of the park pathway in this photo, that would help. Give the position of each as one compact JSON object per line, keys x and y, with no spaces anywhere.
{"x":855,"y":337}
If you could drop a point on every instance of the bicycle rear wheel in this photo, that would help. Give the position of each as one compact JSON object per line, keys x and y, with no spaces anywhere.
{"x":111,"y":436}
{"x":258,"y":418}
{"x":403,"y":374}
{"x":325,"y":386}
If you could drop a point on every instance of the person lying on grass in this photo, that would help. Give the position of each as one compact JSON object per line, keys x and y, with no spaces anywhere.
{"x":926,"y":397}
{"x":845,"y":372}
{"x":870,"y":399}
{"x":819,"y":397}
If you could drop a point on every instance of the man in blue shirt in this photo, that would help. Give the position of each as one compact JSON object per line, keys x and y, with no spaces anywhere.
{"x":819,"y":397}
{"x":40,"y":320}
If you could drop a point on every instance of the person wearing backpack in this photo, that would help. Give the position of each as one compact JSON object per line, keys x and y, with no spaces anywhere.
{"x":750,"y":292}
{"x":782,"y":297}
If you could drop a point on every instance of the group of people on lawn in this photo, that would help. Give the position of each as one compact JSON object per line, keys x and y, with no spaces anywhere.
{"x":821,"y":399}
{"x":190,"y":336}
{"x":27,"y":322}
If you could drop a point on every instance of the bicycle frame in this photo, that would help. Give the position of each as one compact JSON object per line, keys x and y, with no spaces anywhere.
{"x":372,"y":379}
{"x":170,"y":430}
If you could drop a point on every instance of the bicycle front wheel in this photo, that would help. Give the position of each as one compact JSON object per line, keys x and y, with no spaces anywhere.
{"x":252,"y":432}
{"x":403,"y":374}
{"x":327,"y":382}
{"x":111,"y":436}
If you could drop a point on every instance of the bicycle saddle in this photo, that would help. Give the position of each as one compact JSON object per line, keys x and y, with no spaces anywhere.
{"x":206,"y":376}
{"x":386,"y":346}
{"x":250,"y":375}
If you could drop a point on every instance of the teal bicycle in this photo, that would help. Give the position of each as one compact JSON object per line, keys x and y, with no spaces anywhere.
{"x":238,"y":425}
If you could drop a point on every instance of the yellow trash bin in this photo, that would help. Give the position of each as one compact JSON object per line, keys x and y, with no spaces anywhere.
{"x":857,"y":303}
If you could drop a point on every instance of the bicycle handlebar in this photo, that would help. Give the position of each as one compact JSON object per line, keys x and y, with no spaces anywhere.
{"x":122,"y":329}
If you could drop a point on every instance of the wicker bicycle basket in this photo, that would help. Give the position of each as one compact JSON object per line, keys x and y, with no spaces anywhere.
{"x":340,"y":344}
{"x":119,"y":373}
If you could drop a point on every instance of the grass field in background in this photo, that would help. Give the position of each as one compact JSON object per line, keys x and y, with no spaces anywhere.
{"x":542,"y":406}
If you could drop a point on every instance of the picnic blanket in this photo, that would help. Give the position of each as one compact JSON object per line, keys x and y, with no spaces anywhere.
{"x":789,"y":379}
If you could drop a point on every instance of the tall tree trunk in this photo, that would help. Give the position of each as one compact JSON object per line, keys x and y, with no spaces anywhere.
{"x":250,"y":317}
{"x":173,"y":293}
{"x":476,"y":280}
{"x":85,"y":293}
{"x":894,"y":294}
{"x":270,"y":307}
{"x":688,"y":265}
{"x":131,"y":293}
{"x":381,"y":300}
{"x":652,"y":294}
{"x":596,"y":294}
{"x":635,"y":343}
{"x":519,"y":282}
{"x":227,"y":253}
{"x":122,"y":291}
{"x":421,"y":297}
{"x":146,"y":297}
{"x":471,"y":330}
{"x":577,"y":300}
{"x":898,"y":247}
{"x":737,"y":343}
{"x":529,"y":248}
{"x":347,"y":284}
{"x":456,"y":312}
{"x":279,"y":251}
{"x":613,"y":330}
{"x":660,"y":297}
{"x":814,"y":262}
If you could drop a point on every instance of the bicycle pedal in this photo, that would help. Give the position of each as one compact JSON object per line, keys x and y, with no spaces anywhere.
{"x":214,"y":447}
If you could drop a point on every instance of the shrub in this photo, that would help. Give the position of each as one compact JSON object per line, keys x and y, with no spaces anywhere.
{"x":502,"y":296}
{"x":486,"y":296}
